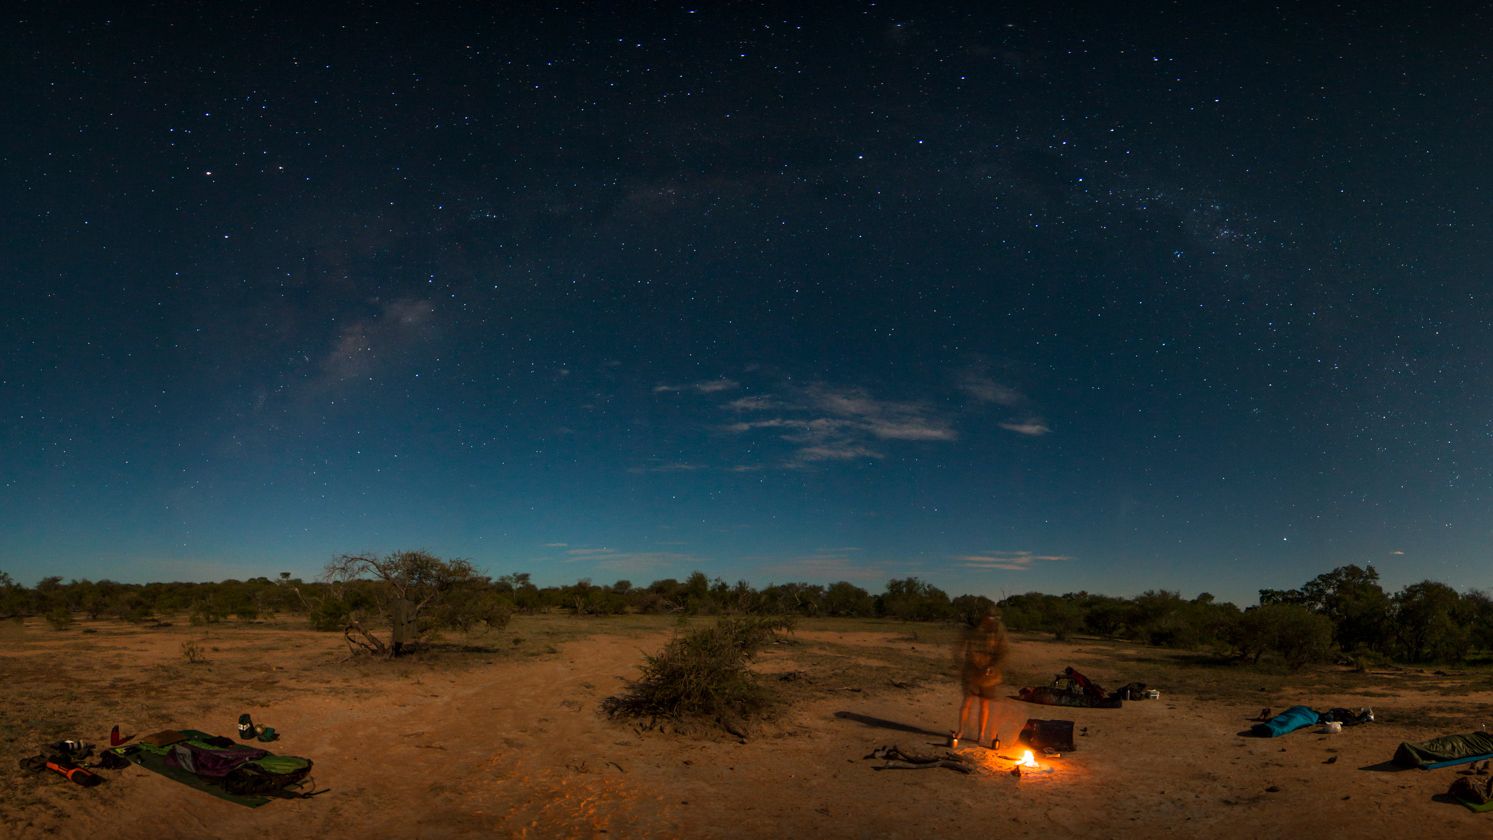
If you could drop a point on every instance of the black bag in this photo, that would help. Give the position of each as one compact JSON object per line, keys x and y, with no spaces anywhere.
{"x":1048,"y":734}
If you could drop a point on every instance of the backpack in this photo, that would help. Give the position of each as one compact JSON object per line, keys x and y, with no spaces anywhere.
{"x":1049,"y":734}
{"x":269,"y":775}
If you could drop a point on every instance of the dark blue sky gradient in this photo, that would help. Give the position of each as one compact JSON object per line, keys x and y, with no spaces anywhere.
{"x":1028,"y":299}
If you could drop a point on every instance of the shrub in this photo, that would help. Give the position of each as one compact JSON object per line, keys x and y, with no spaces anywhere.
{"x":329,"y":614}
{"x":703,"y":674}
{"x":60,"y":618}
{"x":206,"y":611}
{"x":467,"y":608}
{"x":193,"y":653}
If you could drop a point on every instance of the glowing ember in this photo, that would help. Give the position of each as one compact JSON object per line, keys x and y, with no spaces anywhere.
{"x":1027,"y":760}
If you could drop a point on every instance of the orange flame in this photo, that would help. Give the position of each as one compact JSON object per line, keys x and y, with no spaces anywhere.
{"x":1027,"y":760}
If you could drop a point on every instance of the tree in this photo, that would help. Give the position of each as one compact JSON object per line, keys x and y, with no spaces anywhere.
{"x":524,"y":594}
{"x":14,"y":599}
{"x":1479,"y":608}
{"x":971,"y":608}
{"x":911,"y":599}
{"x":845,"y":598}
{"x":1352,"y":600}
{"x":1432,"y":623}
{"x":408,"y":584}
{"x":1299,"y":635}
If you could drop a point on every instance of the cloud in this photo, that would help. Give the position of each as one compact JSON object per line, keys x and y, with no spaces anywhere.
{"x":1030,"y":428}
{"x":753,"y":404}
{"x":827,"y":423}
{"x":885,"y":419}
{"x":983,"y":389}
{"x":708,"y":386}
{"x":556,"y":545}
{"x":607,"y":559}
{"x":589,"y":552}
{"x":828,"y":565}
{"x":836,"y":453}
{"x":669,"y":468}
{"x":976,"y":383}
{"x":1011,"y":561}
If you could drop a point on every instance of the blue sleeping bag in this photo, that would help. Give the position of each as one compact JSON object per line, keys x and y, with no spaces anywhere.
{"x":1290,"y":720}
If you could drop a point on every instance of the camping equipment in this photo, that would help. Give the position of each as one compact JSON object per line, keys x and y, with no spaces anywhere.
{"x":115,"y":739}
{"x":77,"y":749}
{"x":270,"y":775}
{"x":164,"y":738}
{"x":72,"y":772}
{"x":1070,"y":688}
{"x":246,"y":775}
{"x":210,"y":756}
{"x":1290,"y":720}
{"x":1048,"y":734}
{"x":246,"y":727}
{"x":265,"y":733}
{"x":1348,"y":717}
{"x":63,"y":765}
{"x":1476,"y":794}
{"x":1446,"y":751}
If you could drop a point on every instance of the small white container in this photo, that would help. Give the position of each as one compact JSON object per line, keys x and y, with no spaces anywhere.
{"x":1153,"y":694}
{"x":1334,"y":726}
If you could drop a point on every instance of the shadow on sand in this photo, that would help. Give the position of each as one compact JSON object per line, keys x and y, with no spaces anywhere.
{"x":879,"y":723}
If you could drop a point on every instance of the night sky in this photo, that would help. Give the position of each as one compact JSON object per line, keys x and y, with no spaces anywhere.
{"x":1006,"y":298}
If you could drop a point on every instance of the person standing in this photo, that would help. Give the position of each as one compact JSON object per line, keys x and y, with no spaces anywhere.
{"x":983,"y":655}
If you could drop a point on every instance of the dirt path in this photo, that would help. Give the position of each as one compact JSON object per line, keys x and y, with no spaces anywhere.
{"x":516,"y":748}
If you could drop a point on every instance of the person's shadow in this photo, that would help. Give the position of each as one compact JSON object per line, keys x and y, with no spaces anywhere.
{"x":882,"y":723}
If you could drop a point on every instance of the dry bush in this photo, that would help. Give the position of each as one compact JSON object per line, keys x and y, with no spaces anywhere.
{"x":703,"y":674}
{"x":193,"y":653}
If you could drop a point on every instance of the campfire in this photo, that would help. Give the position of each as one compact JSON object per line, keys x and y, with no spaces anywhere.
{"x":1027,"y":760}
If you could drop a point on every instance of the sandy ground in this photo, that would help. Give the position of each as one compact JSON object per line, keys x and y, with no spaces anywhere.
{"x":505,"y":740}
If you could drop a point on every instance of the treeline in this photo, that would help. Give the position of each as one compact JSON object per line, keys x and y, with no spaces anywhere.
{"x":330,"y":601}
{"x":1344,"y":613}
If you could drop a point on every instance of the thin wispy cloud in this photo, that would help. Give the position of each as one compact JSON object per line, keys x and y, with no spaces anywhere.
{"x":633,"y":562}
{"x":884,"y":419}
{"x":826,"y":423}
{"x":1010,"y":561}
{"x":836,"y":453}
{"x":708,"y":386}
{"x":589,"y":552}
{"x":981,"y":388}
{"x":1030,"y":428}
{"x":753,"y":404}
{"x":677,"y":467}
{"x":829,"y":565}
